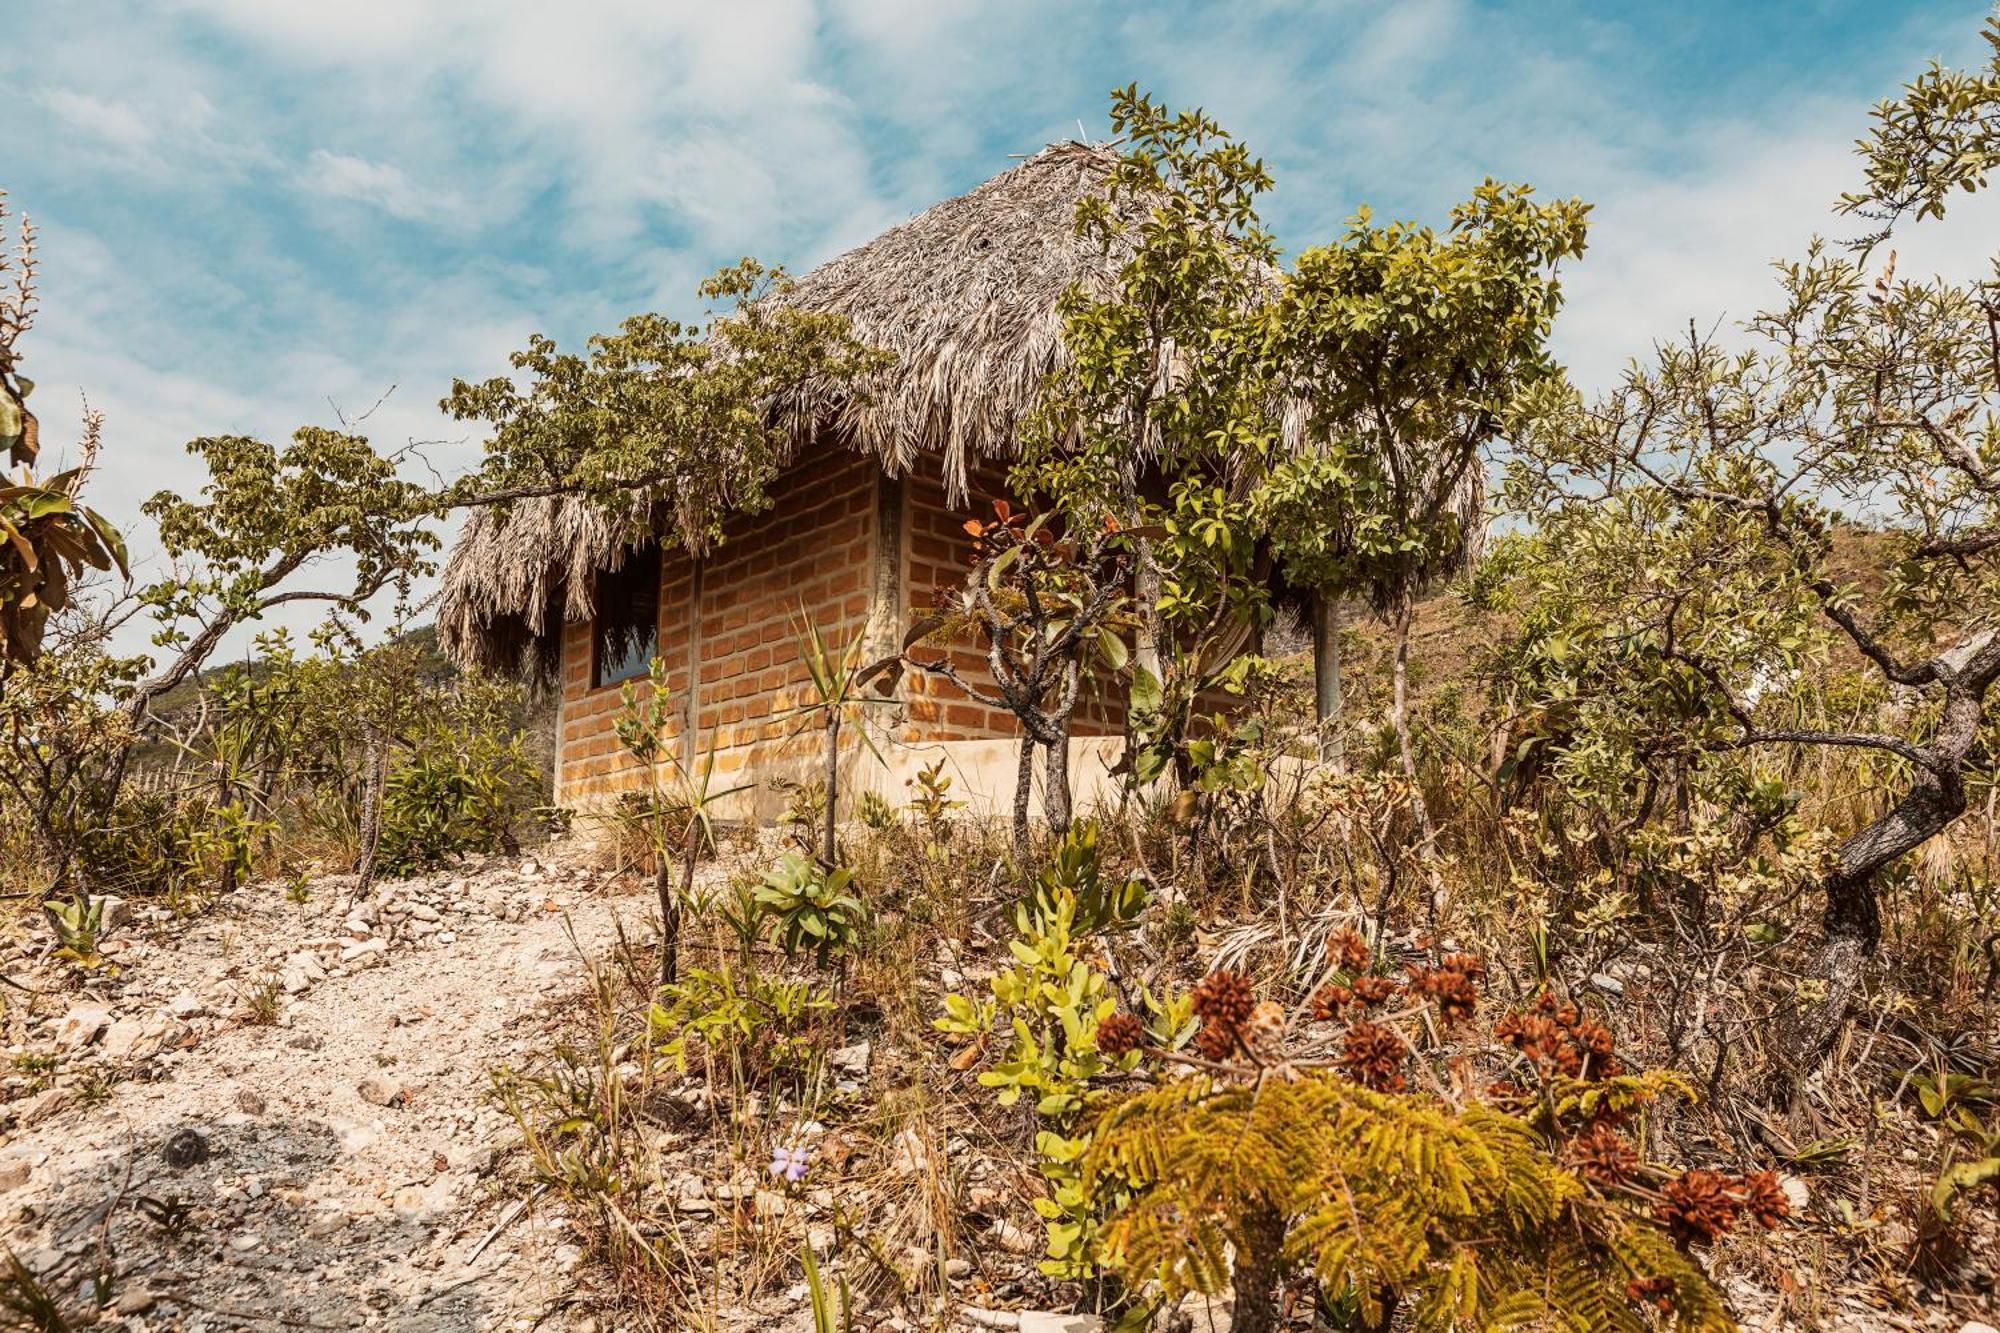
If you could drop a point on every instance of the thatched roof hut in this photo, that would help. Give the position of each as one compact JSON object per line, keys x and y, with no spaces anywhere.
{"x":965,"y":294}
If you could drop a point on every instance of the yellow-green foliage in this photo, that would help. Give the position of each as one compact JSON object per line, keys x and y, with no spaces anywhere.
{"x":1462,"y":1216}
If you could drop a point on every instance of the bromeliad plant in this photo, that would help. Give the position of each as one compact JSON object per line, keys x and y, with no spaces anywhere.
{"x":839,"y":681}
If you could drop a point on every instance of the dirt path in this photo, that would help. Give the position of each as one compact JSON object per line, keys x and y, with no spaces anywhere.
{"x":347,"y":1148}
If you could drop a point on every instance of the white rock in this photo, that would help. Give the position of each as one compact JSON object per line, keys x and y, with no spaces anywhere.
{"x":325,"y":1222}
{"x":379,"y":1091}
{"x":185,"y":1005}
{"x":423,"y":912}
{"x":245,"y":1240}
{"x":852,"y":1059}
{"x":80,"y":1026}
{"x":361,"y":949}
{"x":114,"y":911}
{"x":123,"y":1037}
{"x":1607,"y":983}
{"x":1012,"y":1238}
{"x":1043,"y":1321}
{"x":909,"y":1156}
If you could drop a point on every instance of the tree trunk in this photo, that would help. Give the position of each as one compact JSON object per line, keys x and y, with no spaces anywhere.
{"x":375,"y":760}
{"x":1326,"y":679}
{"x":1055,"y":789}
{"x":1255,"y":1272}
{"x":1146,"y":596}
{"x":1853,"y":919}
{"x":1399,"y":716}
{"x":829,"y":851}
{"x":1024,"y":790}
{"x":670,"y":909}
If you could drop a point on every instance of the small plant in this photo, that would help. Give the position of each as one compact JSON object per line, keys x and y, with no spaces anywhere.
{"x":38,"y":1067}
{"x":839,"y":680}
{"x":874,"y":811}
{"x":755,"y":1025}
{"x":298,"y":888}
{"x":675,"y":813}
{"x":931,"y":801}
{"x":171,"y":1215}
{"x":811,"y":907}
{"x":1971,"y":1163}
{"x":78,"y":925}
{"x":27,"y":1300}
{"x":263,"y":999}
{"x":95,"y":1088}
{"x":823,"y":1306}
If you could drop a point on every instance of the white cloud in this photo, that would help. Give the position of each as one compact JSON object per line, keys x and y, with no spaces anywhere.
{"x":1698,"y":245}
{"x":112,"y":122}
{"x":381,"y":184}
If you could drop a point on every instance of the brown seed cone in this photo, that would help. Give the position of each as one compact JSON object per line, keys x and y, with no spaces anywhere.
{"x":1120,"y":1035}
{"x":1764,"y":1198}
{"x":1603,"y":1155}
{"x":1699,"y":1206}
{"x":1223,"y":1001}
{"x":1373,"y":1056}
{"x":1264,"y":1034}
{"x":1348,"y":952}
{"x":1657,"y":1292}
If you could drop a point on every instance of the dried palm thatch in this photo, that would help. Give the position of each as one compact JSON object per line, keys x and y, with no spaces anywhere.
{"x":966,"y":294}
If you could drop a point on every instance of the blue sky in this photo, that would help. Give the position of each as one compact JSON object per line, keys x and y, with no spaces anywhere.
{"x":255,"y":210}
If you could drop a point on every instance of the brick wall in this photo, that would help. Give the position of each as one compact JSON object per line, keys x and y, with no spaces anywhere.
{"x":807,"y":554}
{"x":940,"y":553}
{"x":812,"y":552}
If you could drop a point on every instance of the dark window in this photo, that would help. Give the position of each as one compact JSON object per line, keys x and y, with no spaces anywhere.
{"x":628,"y":618}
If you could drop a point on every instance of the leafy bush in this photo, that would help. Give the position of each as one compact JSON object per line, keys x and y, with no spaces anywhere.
{"x":1521,"y":1204}
{"x":754,"y":1025}
{"x":1391,"y":1201}
{"x":811,"y":907}
{"x":1051,"y":1003}
{"x":448,"y":798}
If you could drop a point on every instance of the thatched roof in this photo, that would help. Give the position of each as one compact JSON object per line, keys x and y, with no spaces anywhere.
{"x":965,"y":294}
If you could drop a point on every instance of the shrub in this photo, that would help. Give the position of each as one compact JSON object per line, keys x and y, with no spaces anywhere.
{"x":811,"y":907}
{"x":1521,"y":1204}
{"x":454,"y":794}
{"x":756,"y":1026}
{"x":1053,"y":1003}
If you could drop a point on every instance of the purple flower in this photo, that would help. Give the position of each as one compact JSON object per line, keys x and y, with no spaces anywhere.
{"x":789,"y":1164}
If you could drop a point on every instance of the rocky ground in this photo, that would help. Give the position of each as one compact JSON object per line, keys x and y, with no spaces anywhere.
{"x":275,"y":1113}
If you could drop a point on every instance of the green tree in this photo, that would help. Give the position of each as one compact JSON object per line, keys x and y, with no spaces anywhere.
{"x":1166,"y":400}
{"x":1407,"y":346}
{"x":661,"y":420}
{"x":1706,"y":492}
{"x":48,"y":538}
